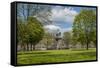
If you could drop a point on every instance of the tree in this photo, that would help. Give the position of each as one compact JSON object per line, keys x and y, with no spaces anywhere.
{"x":48,"y":39}
{"x":35,"y":31}
{"x":22,"y":35}
{"x":67,"y":38}
{"x":42,"y":12}
{"x":29,"y":33}
{"x":84,"y":27}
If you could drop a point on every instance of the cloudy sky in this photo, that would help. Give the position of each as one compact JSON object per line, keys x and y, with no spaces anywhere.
{"x":64,"y":17}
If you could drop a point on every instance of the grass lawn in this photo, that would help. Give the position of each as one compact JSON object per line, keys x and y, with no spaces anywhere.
{"x":52,"y":56}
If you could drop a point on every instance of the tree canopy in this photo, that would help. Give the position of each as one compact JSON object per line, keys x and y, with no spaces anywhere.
{"x":30,"y":32}
{"x":84,"y":27}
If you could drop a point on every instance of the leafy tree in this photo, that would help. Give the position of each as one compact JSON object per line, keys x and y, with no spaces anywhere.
{"x":29,"y":33}
{"x":48,"y":39}
{"x":67,"y":38}
{"x":22,"y":35}
{"x":35,"y":31}
{"x":84,"y":27}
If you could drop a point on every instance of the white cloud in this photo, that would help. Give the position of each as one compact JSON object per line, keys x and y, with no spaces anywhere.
{"x":55,"y":29}
{"x":63,"y":14}
{"x":52,"y":28}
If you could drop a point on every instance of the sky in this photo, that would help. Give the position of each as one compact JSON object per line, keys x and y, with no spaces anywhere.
{"x":61,"y":16}
{"x":64,"y":17}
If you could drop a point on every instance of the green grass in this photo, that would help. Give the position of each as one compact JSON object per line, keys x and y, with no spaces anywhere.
{"x":53,"y":56}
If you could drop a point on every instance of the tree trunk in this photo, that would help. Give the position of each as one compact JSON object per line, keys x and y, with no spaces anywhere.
{"x":24,"y":48}
{"x":87,"y":42}
{"x":33,"y":47}
{"x":87,"y":46}
{"x":27,"y":48}
{"x":21,"y":47}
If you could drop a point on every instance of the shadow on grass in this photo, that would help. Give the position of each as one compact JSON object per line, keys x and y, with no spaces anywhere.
{"x":49,"y":54}
{"x":23,"y":53}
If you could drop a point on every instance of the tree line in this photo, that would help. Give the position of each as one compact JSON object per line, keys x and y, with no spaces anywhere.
{"x":30,"y":30}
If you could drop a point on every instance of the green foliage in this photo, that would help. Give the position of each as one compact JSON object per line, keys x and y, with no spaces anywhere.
{"x":67,"y":38}
{"x":30,"y":32}
{"x":84,"y":27}
{"x":35,"y":30}
{"x":22,"y":34}
{"x":48,"y":39}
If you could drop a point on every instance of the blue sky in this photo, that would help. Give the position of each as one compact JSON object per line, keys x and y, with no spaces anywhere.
{"x":64,"y":16}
